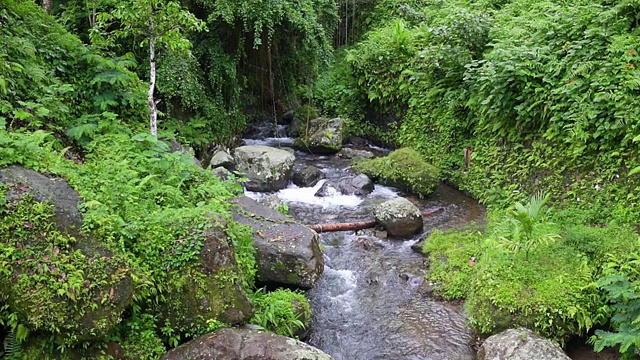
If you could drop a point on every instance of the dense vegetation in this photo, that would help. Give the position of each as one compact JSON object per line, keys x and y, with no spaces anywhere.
{"x":506,"y":98}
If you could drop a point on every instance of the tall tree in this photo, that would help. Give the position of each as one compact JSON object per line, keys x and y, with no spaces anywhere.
{"x":161,"y":24}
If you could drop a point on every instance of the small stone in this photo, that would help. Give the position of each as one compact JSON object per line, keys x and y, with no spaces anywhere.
{"x":400,"y":217}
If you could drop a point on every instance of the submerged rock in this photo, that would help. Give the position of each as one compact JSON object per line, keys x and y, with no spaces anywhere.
{"x":322,"y":136}
{"x":349,"y":153}
{"x":399,"y":217}
{"x":287,"y":253}
{"x":59,"y":281}
{"x":520,"y":344}
{"x":307,"y":177}
{"x":245,"y":344}
{"x":267,"y":168}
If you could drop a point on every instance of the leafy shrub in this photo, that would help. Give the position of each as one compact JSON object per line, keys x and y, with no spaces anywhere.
{"x":283,"y":311}
{"x":622,"y":294}
{"x":306,"y":113}
{"x":602,"y":243}
{"x":403,"y":168}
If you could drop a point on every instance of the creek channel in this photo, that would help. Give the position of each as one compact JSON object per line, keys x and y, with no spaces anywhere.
{"x":372,"y":300}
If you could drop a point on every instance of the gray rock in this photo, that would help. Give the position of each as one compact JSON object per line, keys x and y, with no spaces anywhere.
{"x":322,"y":136}
{"x":296,"y":128}
{"x":287,"y":117}
{"x":96,"y":308}
{"x":399,"y":217}
{"x":349,"y":153}
{"x":175,"y":146}
{"x":272,"y":202}
{"x":222,"y":173}
{"x":355,"y":185}
{"x":287,"y":253}
{"x":245,"y":344}
{"x":520,"y":344}
{"x":222,"y":158}
{"x":268,"y":169}
{"x":307,"y":177}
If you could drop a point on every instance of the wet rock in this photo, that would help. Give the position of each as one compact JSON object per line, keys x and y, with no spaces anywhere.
{"x":349,"y":153}
{"x":287,"y":118}
{"x":245,"y":344}
{"x":357,"y":141}
{"x":79,"y":314}
{"x":367,"y":243}
{"x":206,"y":291}
{"x":296,"y":128}
{"x":520,"y":344}
{"x":273,"y":202}
{"x":268,"y":169}
{"x":287,"y":253}
{"x":307,"y":177}
{"x":355,"y":185}
{"x":359,"y":185}
{"x":322,"y":136}
{"x":223,"y":159}
{"x":399,"y":217}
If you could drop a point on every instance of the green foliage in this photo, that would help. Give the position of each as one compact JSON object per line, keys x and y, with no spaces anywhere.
{"x":622,"y":294}
{"x":403,"y":168}
{"x":283,"y":311}
{"x":306,"y":112}
{"x":450,"y":253}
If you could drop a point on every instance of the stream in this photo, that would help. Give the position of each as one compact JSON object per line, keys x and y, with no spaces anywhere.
{"x":371,"y":301}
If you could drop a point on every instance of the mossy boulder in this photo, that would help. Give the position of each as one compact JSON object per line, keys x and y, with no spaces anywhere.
{"x":55,"y":278}
{"x":321,"y":136}
{"x":245,"y":344}
{"x":400,"y":217}
{"x":287,"y":253}
{"x":267,"y":168}
{"x":207,"y":288}
{"x":404,"y":169}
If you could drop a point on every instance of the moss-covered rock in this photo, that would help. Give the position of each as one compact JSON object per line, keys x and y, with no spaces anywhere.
{"x":207,"y":288}
{"x":322,"y":136}
{"x":403,"y":168}
{"x":54,"y":278}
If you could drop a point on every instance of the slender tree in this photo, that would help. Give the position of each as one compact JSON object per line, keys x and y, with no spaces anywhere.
{"x":162,"y":24}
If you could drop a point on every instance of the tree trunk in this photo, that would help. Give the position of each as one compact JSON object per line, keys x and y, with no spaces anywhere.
{"x":47,"y":5}
{"x":342,"y":226}
{"x":153,"y":116}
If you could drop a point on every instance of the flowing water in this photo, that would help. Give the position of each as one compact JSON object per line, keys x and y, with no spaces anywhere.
{"x":371,"y":302}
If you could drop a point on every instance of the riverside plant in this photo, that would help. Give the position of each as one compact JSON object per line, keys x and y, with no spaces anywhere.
{"x":523,"y":222}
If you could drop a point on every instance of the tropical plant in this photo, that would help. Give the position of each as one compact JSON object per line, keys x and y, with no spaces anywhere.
{"x":523,"y":220}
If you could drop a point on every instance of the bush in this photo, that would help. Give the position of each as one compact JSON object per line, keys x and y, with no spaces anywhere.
{"x":283,"y":311}
{"x":601,"y":243}
{"x":403,"y":168}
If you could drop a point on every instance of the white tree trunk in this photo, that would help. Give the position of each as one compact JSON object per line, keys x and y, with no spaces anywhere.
{"x":47,"y":5}
{"x":153,"y":116}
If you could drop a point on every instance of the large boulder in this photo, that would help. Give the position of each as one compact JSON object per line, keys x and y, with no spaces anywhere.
{"x":245,"y":344}
{"x":222,"y":158}
{"x":267,"y":168}
{"x":57,"y":279}
{"x":400,"y":217}
{"x":354,"y":185}
{"x":287,"y":253}
{"x":307,"y":177}
{"x":322,"y":136}
{"x":207,"y":288}
{"x":520,"y":344}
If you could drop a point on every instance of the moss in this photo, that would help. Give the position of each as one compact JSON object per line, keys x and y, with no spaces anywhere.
{"x":293,"y":278}
{"x":77,"y":294}
{"x":403,"y":168}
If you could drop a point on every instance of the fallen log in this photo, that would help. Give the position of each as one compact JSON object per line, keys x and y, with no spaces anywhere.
{"x":342,"y":226}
